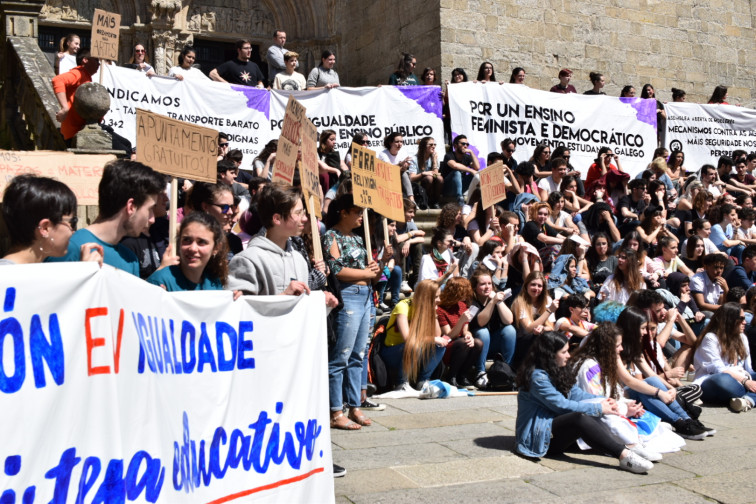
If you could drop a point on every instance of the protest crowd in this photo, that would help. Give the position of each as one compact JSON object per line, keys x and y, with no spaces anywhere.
{"x":598,"y":299}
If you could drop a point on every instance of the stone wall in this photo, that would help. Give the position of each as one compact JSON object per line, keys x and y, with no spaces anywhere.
{"x":688,"y":44}
{"x":373,"y":39}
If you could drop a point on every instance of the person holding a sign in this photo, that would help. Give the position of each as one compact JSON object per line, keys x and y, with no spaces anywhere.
{"x":349,"y":261}
{"x":40,"y":217}
{"x":65,"y":86}
{"x":458,"y":169}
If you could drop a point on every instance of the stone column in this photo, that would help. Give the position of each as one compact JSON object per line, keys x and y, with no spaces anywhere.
{"x":20,"y":17}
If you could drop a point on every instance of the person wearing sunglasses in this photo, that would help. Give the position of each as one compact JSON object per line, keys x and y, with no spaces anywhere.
{"x":139,"y":61}
{"x":459,"y":168}
{"x":216,"y":200}
{"x":40,"y":218}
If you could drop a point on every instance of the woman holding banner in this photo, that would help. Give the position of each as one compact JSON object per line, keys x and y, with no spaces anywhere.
{"x":185,"y":70}
{"x":347,"y":258}
{"x":202,"y":257}
{"x":140,"y":62}
{"x":40,"y":217}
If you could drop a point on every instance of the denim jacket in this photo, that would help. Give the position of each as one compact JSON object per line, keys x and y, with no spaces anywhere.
{"x":537,"y":407}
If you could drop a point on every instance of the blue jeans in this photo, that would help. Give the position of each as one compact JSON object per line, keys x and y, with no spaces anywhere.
{"x":394,"y":284}
{"x":501,"y":341}
{"x":345,"y":357}
{"x":667,"y":412}
{"x":456,"y":183}
{"x":392,"y":357}
{"x":721,"y":387}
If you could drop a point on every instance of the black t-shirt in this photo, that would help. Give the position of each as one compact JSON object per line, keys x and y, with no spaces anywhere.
{"x":626,"y":201}
{"x":445,"y":169}
{"x":246,"y":73}
{"x":531,"y":231}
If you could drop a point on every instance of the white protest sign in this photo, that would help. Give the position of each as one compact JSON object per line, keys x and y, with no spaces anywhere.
{"x":414,"y":111}
{"x":706,"y":132}
{"x":114,"y":390}
{"x":489,"y":113}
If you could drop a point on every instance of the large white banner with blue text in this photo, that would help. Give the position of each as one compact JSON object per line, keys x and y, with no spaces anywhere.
{"x":113,"y":390}
{"x":705,"y":132}
{"x":489,"y":113}
{"x":413,"y":111}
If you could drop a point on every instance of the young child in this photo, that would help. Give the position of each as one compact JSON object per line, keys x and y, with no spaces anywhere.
{"x":576,"y":326}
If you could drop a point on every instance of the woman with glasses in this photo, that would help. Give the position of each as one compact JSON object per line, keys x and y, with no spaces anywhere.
{"x":440,"y":263}
{"x":139,"y":61}
{"x":217,"y":200}
{"x":423,"y":170}
{"x":40,"y":218}
{"x":541,"y":156}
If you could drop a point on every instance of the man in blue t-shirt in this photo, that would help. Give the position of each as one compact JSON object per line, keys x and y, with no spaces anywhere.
{"x":127,"y":193}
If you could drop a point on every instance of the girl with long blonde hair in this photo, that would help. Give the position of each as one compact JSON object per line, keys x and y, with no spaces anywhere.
{"x":414,"y":346}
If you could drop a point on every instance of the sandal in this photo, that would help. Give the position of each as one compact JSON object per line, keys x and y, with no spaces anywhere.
{"x":343,"y":423}
{"x":356,"y":416}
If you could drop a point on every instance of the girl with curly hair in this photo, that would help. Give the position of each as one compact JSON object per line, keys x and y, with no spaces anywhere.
{"x":553,"y":412}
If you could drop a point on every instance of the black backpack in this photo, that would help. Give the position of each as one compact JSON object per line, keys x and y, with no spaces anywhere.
{"x":377,"y":372}
{"x":501,"y":377}
{"x":421,"y":197}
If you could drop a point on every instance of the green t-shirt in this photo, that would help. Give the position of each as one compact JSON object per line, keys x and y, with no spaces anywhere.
{"x":117,"y":256}
{"x":174,"y":280}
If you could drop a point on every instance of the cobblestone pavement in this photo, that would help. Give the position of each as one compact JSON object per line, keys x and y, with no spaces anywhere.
{"x":459,"y":450}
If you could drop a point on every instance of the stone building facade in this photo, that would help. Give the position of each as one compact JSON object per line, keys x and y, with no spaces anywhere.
{"x":688,"y":44}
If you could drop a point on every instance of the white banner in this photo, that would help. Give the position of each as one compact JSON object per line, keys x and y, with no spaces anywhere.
{"x":113,"y":390}
{"x":414,"y":111}
{"x":254,"y":116}
{"x":239,"y":111}
{"x":489,"y":113}
{"x":706,"y":132}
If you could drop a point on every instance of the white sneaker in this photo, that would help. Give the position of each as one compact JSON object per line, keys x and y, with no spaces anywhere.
{"x":647,"y":454}
{"x":406,"y":289}
{"x":740,"y":404}
{"x":635,"y":463}
{"x":481,"y":380}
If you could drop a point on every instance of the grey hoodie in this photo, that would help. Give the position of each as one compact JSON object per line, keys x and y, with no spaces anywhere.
{"x":264,"y":268}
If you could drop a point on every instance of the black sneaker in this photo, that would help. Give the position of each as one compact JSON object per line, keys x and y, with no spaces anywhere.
{"x":367,"y":404}
{"x":709,"y":430}
{"x":689,"y":430}
{"x":338,"y":471}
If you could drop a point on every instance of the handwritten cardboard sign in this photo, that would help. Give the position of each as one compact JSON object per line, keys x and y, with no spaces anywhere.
{"x":288,"y":142}
{"x":80,"y":172}
{"x":492,"y":186}
{"x":308,"y":168}
{"x":106,"y":28}
{"x":176,"y":147}
{"x":376,"y":184}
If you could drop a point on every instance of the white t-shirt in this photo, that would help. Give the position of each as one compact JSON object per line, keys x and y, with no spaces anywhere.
{"x":548,"y":184}
{"x":294,"y":82}
{"x":385,"y":155}
{"x":67,"y":63}
{"x":428,"y":269}
{"x":190,"y":74}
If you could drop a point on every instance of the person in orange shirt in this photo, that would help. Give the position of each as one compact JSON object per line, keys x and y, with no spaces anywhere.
{"x":65,"y":86}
